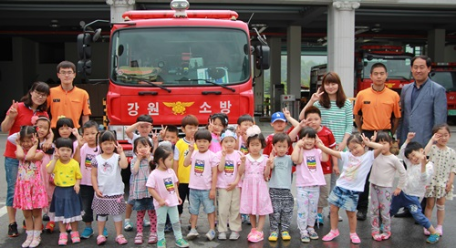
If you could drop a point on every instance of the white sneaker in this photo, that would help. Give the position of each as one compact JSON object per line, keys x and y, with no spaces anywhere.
{"x":222,"y":236}
{"x":28,"y":241}
{"x":146,"y":222}
{"x":193,"y":234}
{"x":234,"y":236}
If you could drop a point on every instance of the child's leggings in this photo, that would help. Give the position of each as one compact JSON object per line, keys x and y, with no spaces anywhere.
{"x":173,"y":213}
{"x":307,"y":198}
{"x":282,"y":206}
{"x":140,"y":219}
{"x":380,"y":205}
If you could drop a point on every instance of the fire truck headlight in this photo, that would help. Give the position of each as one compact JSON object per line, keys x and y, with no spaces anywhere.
{"x":180,"y":5}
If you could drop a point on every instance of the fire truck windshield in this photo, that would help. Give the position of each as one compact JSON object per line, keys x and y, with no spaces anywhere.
{"x":398,"y":65}
{"x":445,"y":78}
{"x":177,"y":56}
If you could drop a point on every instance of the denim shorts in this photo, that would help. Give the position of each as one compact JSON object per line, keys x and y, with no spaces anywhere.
{"x":11,"y":168}
{"x":344,"y":198}
{"x":198,"y":197}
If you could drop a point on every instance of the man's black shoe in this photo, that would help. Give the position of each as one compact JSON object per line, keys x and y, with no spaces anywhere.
{"x":360,"y":215}
{"x":12,"y":230}
{"x":404,"y":214}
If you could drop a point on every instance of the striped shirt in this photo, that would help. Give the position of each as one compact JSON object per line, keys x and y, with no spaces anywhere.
{"x":338,"y":120}
{"x":140,"y":190}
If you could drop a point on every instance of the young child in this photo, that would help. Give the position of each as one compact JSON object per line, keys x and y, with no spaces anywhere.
{"x":228,"y":161}
{"x":243,"y":123}
{"x":108,"y":186}
{"x":189,"y":127}
{"x":140,"y":170}
{"x":162,"y":184}
{"x":217,"y":124}
{"x":356,"y":165}
{"x":382,"y":178}
{"x":309,"y":178}
{"x":203,"y":180}
{"x":30,"y":193}
{"x":279,"y":124}
{"x":46,"y":136}
{"x":312,"y":118}
{"x":255,"y":197}
{"x":440,"y":188}
{"x":280,"y":188}
{"x":66,"y":206}
{"x":143,"y":125}
{"x":419,"y":172}
{"x":88,"y":151}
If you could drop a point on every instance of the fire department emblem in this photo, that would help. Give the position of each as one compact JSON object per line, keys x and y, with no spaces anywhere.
{"x":178,"y":108}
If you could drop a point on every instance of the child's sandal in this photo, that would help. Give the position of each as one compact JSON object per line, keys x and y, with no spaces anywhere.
{"x":63,"y":238}
{"x":153,"y":238}
{"x":101,"y":239}
{"x":121,"y":240}
{"x":75,"y":237}
{"x":354,"y":238}
{"x":138,"y":238}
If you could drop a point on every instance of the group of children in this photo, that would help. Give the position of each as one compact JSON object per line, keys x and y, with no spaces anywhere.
{"x":230,"y":172}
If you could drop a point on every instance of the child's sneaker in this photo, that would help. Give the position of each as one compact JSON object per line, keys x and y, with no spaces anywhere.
{"x":35,"y":242}
{"x":127,"y":226}
{"x":386,"y":235}
{"x":63,"y":238}
{"x":12,"y":230}
{"x":168,"y":227}
{"x":273,"y":236}
{"x":180,"y":243}
{"x":162,"y":243}
{"x":87,"y":233}
{"x":439,"y":229}
{"x":319,"y":220}
{"x":50,"y":227}
{"x":27,"y":241}
{"x":377,"y":236}
{"x":312,"y":234}
{"x":222,"y":236}
{"x":253,"y":231}
{"x":433,"y":238}
{"x":210,"y":235}
{"x":105,"y":232}
{"x":286,"y":236}
{"x":234,"y":236}
{"x":426,"y":231}
{"x":101,"y":239}
{"x":152,"y":238}
{"x":354,"y":238}
{"x":256,"y":237}
{"x":45,"y":217}
{"x":75,"y":237}
{"x":146,"y":222}
{"x":331,"y":235}
{"x":193,"y":234}
{"x":121,"y":240}
{"x":305,"y":237}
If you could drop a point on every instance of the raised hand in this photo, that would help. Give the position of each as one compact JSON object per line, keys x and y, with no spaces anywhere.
{"x":374,"y":137}
{"x":365,"y":139}
{"x":75,"y":132}
{"x":316,"y":96}
{"x":191,"y":146}
{"x":286,"y":112}
{"x":119,"y":148}
{"x":56,"y":154}
{"x":270,"y":162}
{"x":155,"y":136}
{"x":300,"y":143}
{"x":13,"y":110}
{"x":35,"y":139}
{"x":410,"y":136}
{"x":163,"y":131}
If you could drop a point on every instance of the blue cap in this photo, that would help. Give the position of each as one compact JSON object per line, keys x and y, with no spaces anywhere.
{"x":278,"y":116}
{"x":228,"y":133}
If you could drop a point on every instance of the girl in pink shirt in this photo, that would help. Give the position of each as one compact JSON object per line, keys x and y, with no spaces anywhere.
{"x":162,"y":185}
{"x":217,"y":123}
{"x":309,"y":178}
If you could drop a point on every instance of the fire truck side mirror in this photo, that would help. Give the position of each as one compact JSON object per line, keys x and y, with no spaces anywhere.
{"x":83,"y":44}
{"x":262,"y":57}
{"x":84,"y":67}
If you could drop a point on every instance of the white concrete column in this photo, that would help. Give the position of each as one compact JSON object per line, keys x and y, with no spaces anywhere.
{"x":341,"y":41}
{"x":118,"y":7}
{"x":275,"y":43}
{"x":436,"y":45}
{"x":294,"y":61}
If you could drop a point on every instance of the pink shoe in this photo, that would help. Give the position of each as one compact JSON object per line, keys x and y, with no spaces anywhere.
{"x":256,"y":237}
{"x":376,"y":236}
{"x":63,"y":238}
{"x":386,"y":235}
{"x":331,"y":235}
{"x":75,"y":237}
{"x":426,"y":232}
{"x":101,"y":239}
{"x":253,"y":231}
{"x":439,"y":230}
{"x":152,"y":238}
{"x":354,"y":238}
{"x":121,"y":240}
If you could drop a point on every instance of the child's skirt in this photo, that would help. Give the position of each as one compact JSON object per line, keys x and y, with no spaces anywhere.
{"x":66,"y":205}
{"x":144,"y":204}
{"x":109,"y":205}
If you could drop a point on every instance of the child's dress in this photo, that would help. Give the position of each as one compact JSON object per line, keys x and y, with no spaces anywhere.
{"x":255,"y":194}
{"x":30,"y":192}
{"x":444,"y":164}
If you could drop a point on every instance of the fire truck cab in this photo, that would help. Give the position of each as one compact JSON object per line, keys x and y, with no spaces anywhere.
{"x":445,"y":75}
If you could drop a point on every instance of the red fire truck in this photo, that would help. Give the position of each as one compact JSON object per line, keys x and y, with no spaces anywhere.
{"x":445,"y":75}
{"x":168,"y":64}
{"x":393,"y":57}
